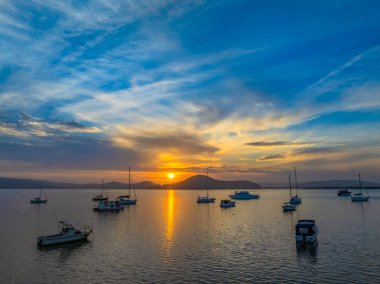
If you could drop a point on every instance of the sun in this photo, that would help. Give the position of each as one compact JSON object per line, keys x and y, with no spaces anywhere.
{"x":171,"y":175}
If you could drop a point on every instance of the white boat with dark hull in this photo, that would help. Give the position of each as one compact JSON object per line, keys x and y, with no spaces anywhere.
{"x":359,"y":197}
{"x":227,"y":203}
{"x":244,"y":195}
{"x":101,"y":196}
{"x":295,"y":199}
{"x":67,"y":234}
{"x":106,"y":206}
{"x":207,"y":198}
{"x":126,"y":199}
{"x":306,"y":231}
{"x":38,"y":200}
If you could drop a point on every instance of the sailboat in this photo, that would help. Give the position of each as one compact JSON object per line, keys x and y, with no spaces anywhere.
{"x":207,"y":198}
{"x":295,"y":199}
{"x":358,"y":197}
{"x":288,"y":207}
{"x":38,"y":199}
{"x":100,"y":197}
{"x":126,"y":199}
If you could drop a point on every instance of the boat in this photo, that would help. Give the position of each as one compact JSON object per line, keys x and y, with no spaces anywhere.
{"x":244,"y":195}
{"x":39,"y":199}
{"x":106,"y":205}
{"x":207,"y":198}
{"x":66,"y":234}
{"x":126,"y":199}
{"x":287,"y":206}
{"x":358,"y":197}
{"x":306,"y":231}
{"x":344,"y":192}
{"x":227,"y":203}
{"x":101,"y":196}
{"x":295,"y":199}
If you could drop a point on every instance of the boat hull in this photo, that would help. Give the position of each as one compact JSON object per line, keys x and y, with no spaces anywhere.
{"x":116,"y":209}
{"x":38,"y":201}
{"x":359,"y":199}
{"x":306,"y":239}
{"x":128,"y":202}
{"x":205,"y":200}
{"x":52,"y":240}
{"x":245,"y":197}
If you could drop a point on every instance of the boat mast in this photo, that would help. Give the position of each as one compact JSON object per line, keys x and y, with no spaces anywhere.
{"x":102,"y":188}
{"x":360,"y":185}
{"x":290,"y":187}
{"x":295,"y":175}
{"x":207,"y":184}
{"x":40,"y":189}
{"x":129,"y":181}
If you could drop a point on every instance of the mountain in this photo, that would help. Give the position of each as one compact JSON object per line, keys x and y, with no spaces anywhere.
{"x":16,"y":183}
{"x":324,"y":184}
{"x":203,"y":182}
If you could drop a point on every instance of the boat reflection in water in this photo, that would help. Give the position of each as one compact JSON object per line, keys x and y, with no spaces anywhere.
{"x":169,"y":229}
{"x":307,"y":251}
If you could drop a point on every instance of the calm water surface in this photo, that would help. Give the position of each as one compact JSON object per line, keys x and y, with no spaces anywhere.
{"x":168,"y":237}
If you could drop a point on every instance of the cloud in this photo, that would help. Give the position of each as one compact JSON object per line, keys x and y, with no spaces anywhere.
{"x":277,"y":143}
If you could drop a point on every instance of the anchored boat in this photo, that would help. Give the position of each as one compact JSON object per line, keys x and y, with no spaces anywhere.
{"x":66,"y":234}
{"x":306,"y":231}
{"x":295,"y":199}
{"x":207,"y":198}
{"x":358,"y":197}
{"x":227,"y":203}
{"x":106,"y":205}
{"x":126,"y":199}
{"x":101,"y":196}
{"x":244,"y":195}
{"x":39,"y":199}
{"x":344,"y":192}
{"x":288,"y":206}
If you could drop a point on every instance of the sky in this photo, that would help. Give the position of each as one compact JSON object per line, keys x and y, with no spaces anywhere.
{"x":238,"y":89}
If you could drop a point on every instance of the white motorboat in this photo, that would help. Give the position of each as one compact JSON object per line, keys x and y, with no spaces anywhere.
{"x":288,"y":207}
{"x":126,"y":199}
{"x":101,"y":196}
{"x":227,"y":203}
{"x":306,"y":231}
{"x":66,"y":234}
{"x":244,"y":195}
{"x":359,"y":197}
{"x":105,"y":205}
{"x":207,"y":198}
{"x":39,"y":199}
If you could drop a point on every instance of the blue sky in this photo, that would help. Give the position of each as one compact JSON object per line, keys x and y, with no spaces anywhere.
{"x":242,"y":89}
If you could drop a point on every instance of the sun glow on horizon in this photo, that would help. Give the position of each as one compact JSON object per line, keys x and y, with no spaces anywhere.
{"x":171,"y":176}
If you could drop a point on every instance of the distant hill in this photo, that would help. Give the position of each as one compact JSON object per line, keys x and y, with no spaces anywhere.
{"x":203,"y":182}
{"x":336,"y":184}
{"x":16,"y":183}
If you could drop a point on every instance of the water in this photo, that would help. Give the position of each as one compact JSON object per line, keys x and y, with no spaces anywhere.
{"x":169,"y":238}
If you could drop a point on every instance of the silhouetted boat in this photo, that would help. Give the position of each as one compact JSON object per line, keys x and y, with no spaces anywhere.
{"x":39,"y":199}
{"x":288,"y":207}
{"x":227,"y":203}
{"x":126,"y":199}
{"x":358,"y":197}
{"x":344,"y":192}
{"x":105,"y":205}
{"x":244,"y":195}
{"x":306,"y":231}
{"x":207,"y":198}
{"x":295,"y":199}
{"x":66,"y":234}
{"x":101,"y":196}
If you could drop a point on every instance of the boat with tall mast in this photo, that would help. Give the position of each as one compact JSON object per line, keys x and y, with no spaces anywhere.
{"x":207,"y":198}
{"x":295,"y":199}
{"x":102,"y":196}
{"x":358,"y":197}
{"x":289,"y":207}
{"x":126,"y":199}
{"x":39,"y":199}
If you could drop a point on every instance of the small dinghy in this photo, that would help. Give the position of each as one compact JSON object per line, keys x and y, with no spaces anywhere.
{"x":306,"y":231}
{"x":106,"y":205}
{"x":344,"y":192}
{"x":67,"y":234}
{"x":227,"y":203}
{"x":288,"y":207}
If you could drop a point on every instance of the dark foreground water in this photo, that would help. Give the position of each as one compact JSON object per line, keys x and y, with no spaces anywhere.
{"x":169,"y":238}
